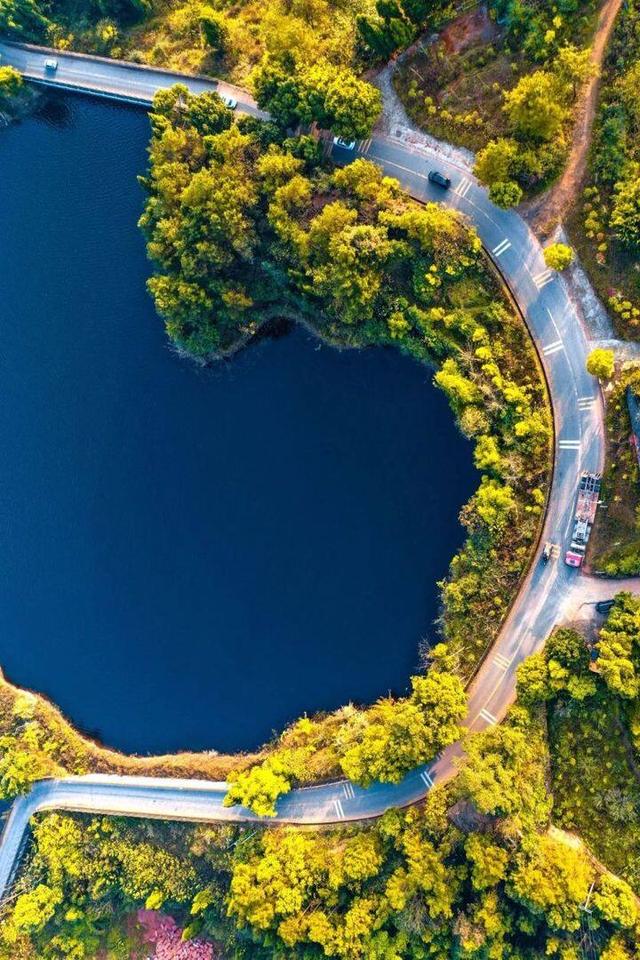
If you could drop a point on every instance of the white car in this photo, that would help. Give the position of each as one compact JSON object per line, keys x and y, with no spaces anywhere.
{"x":345,"y":144}
{"x":228,"y":101}
{"x":51,"y":65}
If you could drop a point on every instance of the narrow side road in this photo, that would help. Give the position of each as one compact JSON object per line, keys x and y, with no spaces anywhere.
{"x":545,"y":213}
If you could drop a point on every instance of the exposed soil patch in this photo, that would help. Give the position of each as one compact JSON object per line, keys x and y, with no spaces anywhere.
{"x":473,"y":27}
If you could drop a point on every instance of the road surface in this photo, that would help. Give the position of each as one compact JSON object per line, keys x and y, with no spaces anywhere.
{"x":544,"y":595}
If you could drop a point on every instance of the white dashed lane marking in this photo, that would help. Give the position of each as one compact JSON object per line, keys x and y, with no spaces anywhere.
{"x":553,"y":347}
{"x":339,"y":808}
{"x":349,"y":792}
{"x":500,"y":661}
{"x":501,"y":247}
{"x":489,"y":717}
{"x":463,"y":187}
{"x":585,"y":403}
{"x":569,"y":444}
{"x":426,"y":778}
{"x":543,"y":278}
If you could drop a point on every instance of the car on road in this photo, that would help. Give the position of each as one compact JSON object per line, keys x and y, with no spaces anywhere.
{"x":434,"y":176}
{"x":345,"y":144}
{"x":546,"y":551}
{"x":603,"y":606}
{"x":230,"y":102}
{"x":50,"y":65}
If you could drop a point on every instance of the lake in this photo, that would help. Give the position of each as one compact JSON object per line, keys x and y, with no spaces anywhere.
{"x":192,"y":558}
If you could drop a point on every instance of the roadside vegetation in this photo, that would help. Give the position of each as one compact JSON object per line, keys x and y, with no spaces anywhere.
{"x":594,"y":733}
{"x":477,"y":870}
{"x":504,"y":81}
{"x":614,"y":547}
{"x":227,"y":40}
{"x":605,"y":225}
{"x":304,"y":61}
{"x":16,"y":97}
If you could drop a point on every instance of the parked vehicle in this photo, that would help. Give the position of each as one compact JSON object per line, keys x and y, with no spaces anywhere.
{"x":230,"y":102}
{"x":434,"y":176}
{"x":546,"y":551}
{"x":588,"y":497}
{"x":345,"y":144}
{"x":50,"y":65}
{"x":603,"y":606}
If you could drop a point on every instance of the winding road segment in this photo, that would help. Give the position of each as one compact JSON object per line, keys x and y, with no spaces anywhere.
{"x":555,"y":327}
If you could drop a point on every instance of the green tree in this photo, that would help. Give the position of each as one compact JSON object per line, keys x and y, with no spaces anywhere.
{"x":533,"y":680}
{"x":505,"y":194}
{"x":278,"y":91}
{"x":259,"y":789}
{"x":393,"y":737}
{"x":494,"y":503}
{"x":486,"y":455}
{"x":574,"y":66}
{"x":534,"y":106}
{"x":615,"y":901}
{"x":552,"y":880}
{"x":504,"y":774}
{"x":23,"y":761}
{"x":601,"y":363}
{"x":11,"y":82}
{"x":417,"y":10}
{"x":495,"y":162}
{"x":214,"y":29}
{"x":618,"y":647}
{"x":558,"y":256}
{"x":625,"y":211}
{"x":489,"y":861}
{"x":33,"y":910}
{"x":459,"y":389}
{"x":352,"y":105}
{"x":23,"y":18}
{"x":330,"y":96}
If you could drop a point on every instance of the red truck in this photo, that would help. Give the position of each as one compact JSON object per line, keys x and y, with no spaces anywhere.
{"x":588,"y":498}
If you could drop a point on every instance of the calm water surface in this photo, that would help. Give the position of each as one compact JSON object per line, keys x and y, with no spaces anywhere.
{"x":192,"y":558}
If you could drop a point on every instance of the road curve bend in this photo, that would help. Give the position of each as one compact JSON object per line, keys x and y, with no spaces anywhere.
{"x":556,"y":330}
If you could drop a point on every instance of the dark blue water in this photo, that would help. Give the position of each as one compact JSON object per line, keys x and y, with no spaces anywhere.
{"x":192,"y":558}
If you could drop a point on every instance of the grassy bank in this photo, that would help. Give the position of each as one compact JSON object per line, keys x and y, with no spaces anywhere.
{"x":614,"y":546}
{"x":36,"y":740}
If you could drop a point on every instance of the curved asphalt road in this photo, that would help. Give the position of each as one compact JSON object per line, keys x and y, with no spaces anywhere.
{"x":578,"y":412}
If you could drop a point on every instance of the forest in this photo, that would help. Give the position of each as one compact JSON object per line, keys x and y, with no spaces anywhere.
{"x":487,"y":866}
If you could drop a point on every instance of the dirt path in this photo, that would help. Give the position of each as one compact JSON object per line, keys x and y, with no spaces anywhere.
{"x":545,"y":213}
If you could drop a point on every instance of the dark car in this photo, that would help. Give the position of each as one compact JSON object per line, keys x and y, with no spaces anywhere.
{"x":603,"y":606}
{"x":436,"y":177}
